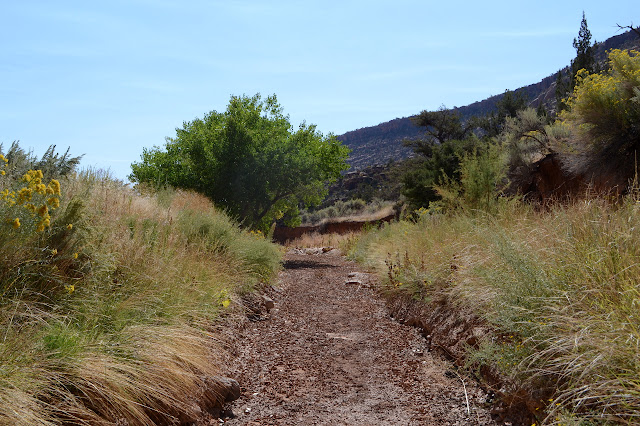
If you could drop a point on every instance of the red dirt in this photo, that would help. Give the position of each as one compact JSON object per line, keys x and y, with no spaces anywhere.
{"x":329,"y":353}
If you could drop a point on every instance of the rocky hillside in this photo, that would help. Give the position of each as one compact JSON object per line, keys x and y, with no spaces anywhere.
{"x":378,"y":144}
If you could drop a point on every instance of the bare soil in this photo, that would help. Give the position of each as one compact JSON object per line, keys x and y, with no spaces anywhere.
{"x":329,"y":353}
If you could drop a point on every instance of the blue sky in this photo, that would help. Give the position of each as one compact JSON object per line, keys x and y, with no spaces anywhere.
{"x":107,"y":78}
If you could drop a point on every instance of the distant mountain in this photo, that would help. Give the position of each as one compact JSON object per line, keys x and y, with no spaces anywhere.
{"x":380,"y":144}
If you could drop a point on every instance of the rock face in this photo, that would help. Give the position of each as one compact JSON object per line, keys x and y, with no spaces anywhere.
{"x":549,"y":180}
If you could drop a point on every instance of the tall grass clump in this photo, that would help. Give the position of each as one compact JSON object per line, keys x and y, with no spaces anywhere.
{"x":559,"y":290}
{"x":108,"y":299}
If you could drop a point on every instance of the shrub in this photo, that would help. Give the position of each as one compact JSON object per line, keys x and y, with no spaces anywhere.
{"x":482,"y":177}
{"x":604,"y":112}
{"x":52,"y":164}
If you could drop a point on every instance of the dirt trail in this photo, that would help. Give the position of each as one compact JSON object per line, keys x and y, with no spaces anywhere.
{"x":328,"y":353}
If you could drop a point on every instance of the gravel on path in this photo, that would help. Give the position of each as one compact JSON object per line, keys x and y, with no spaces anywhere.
{"x":329,"y":353}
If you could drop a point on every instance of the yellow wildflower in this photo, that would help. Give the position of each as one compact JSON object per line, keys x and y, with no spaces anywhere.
{"x":24,"y":195}
{"x":54,"y":202}
{"x":2,"y":172}
{"x":41,"y":188}
{"x":55,"y":186}
{"x":30,"y":207}
{"x":70,"y":288}
{"x":54,"y":252}
{"x":43,"y":210}
{"x":44,"y":223}
{"x":16,"y":223}
{"x":33,"y":177}
{"x":70,"y":226}
{"x":226,"y":303}
{"x":75,"y":255}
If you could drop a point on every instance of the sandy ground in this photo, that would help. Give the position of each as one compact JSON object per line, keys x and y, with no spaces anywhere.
{"x":328,"y":353}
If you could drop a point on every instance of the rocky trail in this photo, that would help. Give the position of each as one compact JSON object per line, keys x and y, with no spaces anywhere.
{"x":329,"y":353}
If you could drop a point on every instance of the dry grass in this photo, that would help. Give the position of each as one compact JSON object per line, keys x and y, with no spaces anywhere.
{"x":123,"y":335}
{"x":560,"y":289}
{"x":342,"y":241}
{"x":363,"y":217}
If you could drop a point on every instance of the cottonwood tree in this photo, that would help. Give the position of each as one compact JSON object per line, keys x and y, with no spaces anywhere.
{"x":248,"y":160}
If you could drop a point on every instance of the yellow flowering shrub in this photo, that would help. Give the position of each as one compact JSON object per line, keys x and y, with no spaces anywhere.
{"x":604,"y":111}
{"x":34,"y":198}
{"x":32,"y":249}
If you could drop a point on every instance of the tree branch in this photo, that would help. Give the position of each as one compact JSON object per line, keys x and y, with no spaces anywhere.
{"x":630,"y":27}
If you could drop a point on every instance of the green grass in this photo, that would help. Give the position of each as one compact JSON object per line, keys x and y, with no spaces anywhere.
{"x":558,"y":288}
{"x":111,"y":319}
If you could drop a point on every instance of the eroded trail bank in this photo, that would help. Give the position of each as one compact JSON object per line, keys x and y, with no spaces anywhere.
{"x":329,"y":353}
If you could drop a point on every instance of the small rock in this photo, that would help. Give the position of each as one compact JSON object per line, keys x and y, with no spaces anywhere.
{"x":268,"y":302}
{"x":247,"y":410}
{"x":353,"y":282}
{"x":231,"y":388}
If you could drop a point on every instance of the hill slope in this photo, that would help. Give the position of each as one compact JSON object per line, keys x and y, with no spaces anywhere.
{"x":381,"y":143}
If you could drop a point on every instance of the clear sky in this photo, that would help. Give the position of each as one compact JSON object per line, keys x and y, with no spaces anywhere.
{"x":107,"y":78}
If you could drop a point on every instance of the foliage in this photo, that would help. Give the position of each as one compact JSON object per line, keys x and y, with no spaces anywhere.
{"x":52,"y":164}
{"x":558,"y":289}
{"x":420,"y":179}
{"x":439,"y":127}
{"x":584,"y":60}
{"x":106,"y":313}
{"x":507,"y":107}
{"x":528,"y":137}
{"x":482,"y":177}
{"x":247,"y":160}
{"x":32,"y":244}
{"x":604,"y":113}
{"x":445,"y":140}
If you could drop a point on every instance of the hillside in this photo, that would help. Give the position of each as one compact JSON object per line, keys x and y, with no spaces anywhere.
{"x":381,"y":143}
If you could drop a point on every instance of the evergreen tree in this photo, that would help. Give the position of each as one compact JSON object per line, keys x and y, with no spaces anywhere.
{"x":584,"y":59}
{"x":584,"y":52}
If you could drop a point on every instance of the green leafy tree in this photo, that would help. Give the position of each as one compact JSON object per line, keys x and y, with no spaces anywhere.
{"x":248,"y":160}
